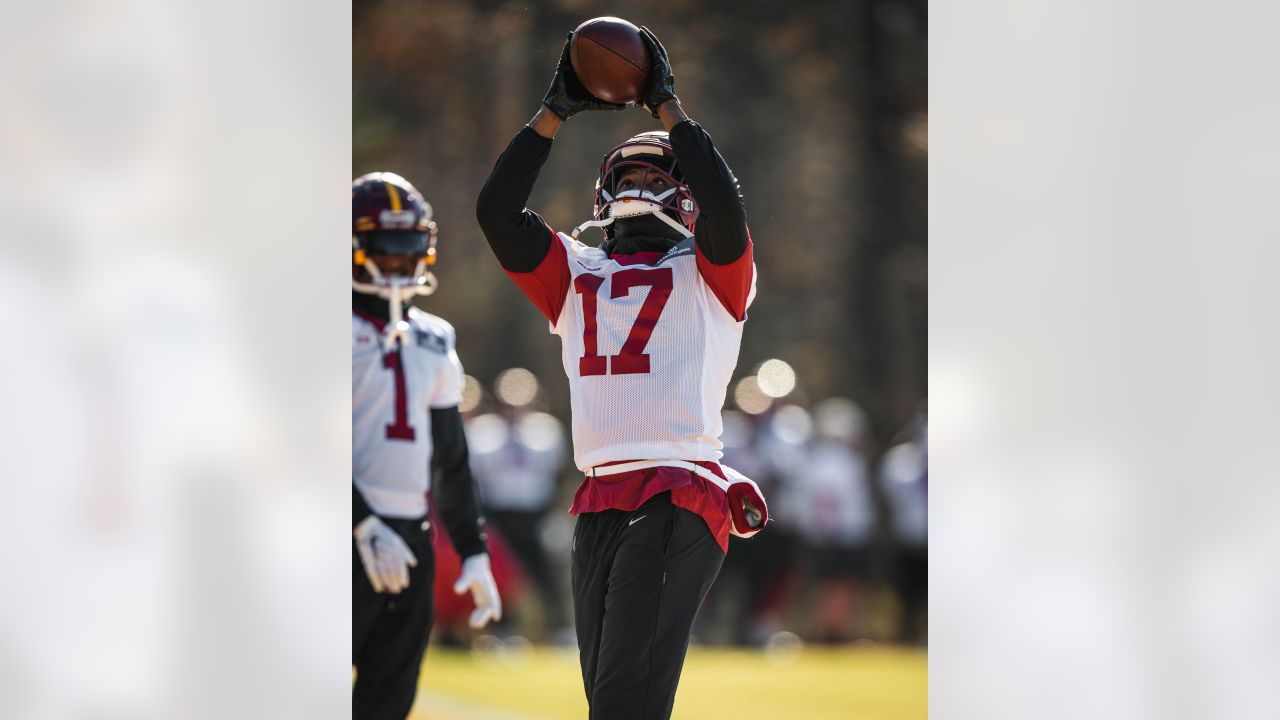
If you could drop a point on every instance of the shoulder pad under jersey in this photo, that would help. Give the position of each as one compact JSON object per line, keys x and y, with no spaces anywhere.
{"x":431,"y":331}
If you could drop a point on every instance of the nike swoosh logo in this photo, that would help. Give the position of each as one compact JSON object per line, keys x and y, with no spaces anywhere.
{"x":636,"y":520}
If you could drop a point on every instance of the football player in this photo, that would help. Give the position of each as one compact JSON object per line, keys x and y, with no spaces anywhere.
{"x":406,"y":383}
{"x":650,"y":324}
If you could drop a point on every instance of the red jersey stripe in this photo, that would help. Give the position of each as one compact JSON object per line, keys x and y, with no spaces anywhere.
{"x":730,"y":283}
{"x":548,"y":284}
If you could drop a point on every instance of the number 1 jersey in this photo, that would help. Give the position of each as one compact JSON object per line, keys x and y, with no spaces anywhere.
{"x":392,"y":393}
{"x":649,"y":343}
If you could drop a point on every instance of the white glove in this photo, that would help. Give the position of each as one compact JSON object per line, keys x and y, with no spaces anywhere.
{"x":385,"y":555}
{"x":477,"y":578}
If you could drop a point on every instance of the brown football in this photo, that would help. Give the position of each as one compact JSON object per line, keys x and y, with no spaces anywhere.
{"x":610,"y":59}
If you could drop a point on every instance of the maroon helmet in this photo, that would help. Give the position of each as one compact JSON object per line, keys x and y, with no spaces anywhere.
{"x":393,"y":244}
{"x":390,"y":219}
{"x":653,"y":153}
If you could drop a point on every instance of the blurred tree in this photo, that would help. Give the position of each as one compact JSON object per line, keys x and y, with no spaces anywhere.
{"x":820,"y":107}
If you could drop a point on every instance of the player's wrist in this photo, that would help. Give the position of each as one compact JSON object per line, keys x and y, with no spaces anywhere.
{"x":671,"y":113}
{"x":476,"y":561}
{"x":358,"y":521}
{"x":366,"y":526}
{"x":470,"y":547}
{"x":546,"y":122}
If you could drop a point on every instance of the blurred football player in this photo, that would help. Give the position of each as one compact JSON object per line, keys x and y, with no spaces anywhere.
{"x":518,"y":457}
{"x":650,"y":324}
{"x":837,"y":508}
{"x":905,"y":479}
{"x":406,"y":383}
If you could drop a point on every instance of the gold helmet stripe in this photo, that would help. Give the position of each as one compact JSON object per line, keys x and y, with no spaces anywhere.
{"x":395,"y":197}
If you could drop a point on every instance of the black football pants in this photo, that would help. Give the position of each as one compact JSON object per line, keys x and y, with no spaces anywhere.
{"x":639,"y":578}
{"x":389,"y":632}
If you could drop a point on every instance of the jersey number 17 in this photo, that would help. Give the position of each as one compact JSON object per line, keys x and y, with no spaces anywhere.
{"x":631,"y":359}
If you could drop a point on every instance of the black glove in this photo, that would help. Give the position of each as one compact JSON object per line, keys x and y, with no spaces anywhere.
{"x":567,"y":96}
{"x":660,"y":86}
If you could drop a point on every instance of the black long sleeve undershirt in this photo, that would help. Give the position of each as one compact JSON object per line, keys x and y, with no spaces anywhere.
{"x":520,"y":238}
{"x":359,"y":508}
{"x":721,"y":230}
{"x":454,"y":488}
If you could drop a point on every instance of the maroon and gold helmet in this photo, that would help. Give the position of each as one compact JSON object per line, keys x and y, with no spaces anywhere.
{"x":652,"y":152}
{"x":390,"y":219}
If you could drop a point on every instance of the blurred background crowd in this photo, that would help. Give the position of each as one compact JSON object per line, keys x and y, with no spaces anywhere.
{"x":820,"y":108}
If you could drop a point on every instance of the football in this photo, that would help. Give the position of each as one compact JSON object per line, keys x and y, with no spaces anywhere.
{"x":610,"y":58}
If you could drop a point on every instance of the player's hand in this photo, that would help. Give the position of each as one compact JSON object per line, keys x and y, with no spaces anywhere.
{"x":660,"y":86}
{"x":477,"y":578}
{"x":385,"y":555}
{"x":567,"y":96}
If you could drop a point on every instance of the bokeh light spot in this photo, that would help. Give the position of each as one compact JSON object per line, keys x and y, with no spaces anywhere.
{"x":749,"y":397}
{"x":516,"y":387}
{"x":776,"y":378}
{"x":472,"y":392}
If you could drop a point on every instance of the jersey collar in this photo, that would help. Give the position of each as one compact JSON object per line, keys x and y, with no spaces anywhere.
{"x":639,"y":258}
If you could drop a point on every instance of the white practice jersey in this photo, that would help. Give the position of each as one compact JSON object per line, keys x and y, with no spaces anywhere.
{"x":905,"y":473}
{"x":516,"y":464}
{"x":837,"y":508}
{"x":649,"y":351}
{"x":391,"y":396}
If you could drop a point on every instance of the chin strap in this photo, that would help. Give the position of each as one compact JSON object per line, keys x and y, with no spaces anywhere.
{"x":684,"y":231}
{"x":591,"y":224}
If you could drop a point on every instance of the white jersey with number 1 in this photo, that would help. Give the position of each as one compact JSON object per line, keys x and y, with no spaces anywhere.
{"x":392,"y":393}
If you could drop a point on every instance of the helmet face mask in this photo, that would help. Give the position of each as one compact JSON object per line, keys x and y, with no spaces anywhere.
{"x":613,"y":200}
{"x":397,"y":258}
{"x":652,"y":154}
{"x":410,"y":244}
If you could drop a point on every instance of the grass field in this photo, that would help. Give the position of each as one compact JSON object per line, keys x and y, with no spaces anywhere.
{"x":863,"y":683}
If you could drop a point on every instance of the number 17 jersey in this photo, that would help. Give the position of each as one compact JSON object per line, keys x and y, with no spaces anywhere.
{"x":649,"y":343}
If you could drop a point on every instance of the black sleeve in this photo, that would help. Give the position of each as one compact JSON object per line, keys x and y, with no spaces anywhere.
{"x":518,"y":236}
{"x":721,"y":232}
{"x":359,"y":508}
{"x":454,"y":489}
